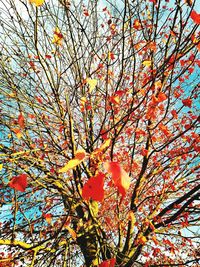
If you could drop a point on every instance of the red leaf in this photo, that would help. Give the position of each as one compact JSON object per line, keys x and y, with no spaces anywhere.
{"x":187,"y":102}
{"x":144,"y":152}
{"x":21,"y":120}
{"x":108,"y":263}
{"x":119,"y":176}
{"x":195,"y":17}
{"x":48,"y":56}
{"x":190,"y":70}
{"x":19,"y":182}
{"x":111,"y":56}
{"x":174,"y":114}
{"x":59,"y":34}
{"x":93,"y":188}
{"x":39,"y":99}
{"x":153,"y":1}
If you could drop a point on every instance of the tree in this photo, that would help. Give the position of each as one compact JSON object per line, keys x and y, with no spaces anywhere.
{"x":99,"y":133}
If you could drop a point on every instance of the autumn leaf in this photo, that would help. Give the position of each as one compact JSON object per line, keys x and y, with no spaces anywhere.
{"x":80,"y":154}
{"x":187,"y":102}
{"x":21,"y":121}
{"x":144,"y":152}
{"x":17,"y":132}
{"x":79,"y":157}
{"x":48,"y":56}
{"x":115,"y":99}
{"x":48,"y":217}
{"x":147,"y":63}
{"x":37,"y":2}
{"x":164,"y":129}
{"x":136,"y":24}
{"x":162,"y":97}
{"x":92,"y":84}
{"x":174,"y":114}
{"x":57,"y":37}
{"x":101,"y":149}
{"x":39,"y":99}
{"x":119,"y":176}
{"x":195,"y":17}
{"x":19,"y":182}
{"x":153,"y":1}
{"x":93,"y":188}
{"x":142,"y":239}
{"x":108,"y":263}
{"x":111,"y":56}
{"x":86,"y":13}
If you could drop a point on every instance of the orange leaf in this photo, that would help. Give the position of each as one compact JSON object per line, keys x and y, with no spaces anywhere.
{"x":136,"y":24}
{"x":93,"y":188}
{"x":21,"y":120}
{"x":164,"y":129}
{"x":48,"y":217}
{"x":19,"y":182}
{"x":115,"y":99}
{"x":17,"y":132}
{"x":119,"y":176}
{"x":80,"y":154}
{"x":195,"y":17}
{"x":162,"y":97}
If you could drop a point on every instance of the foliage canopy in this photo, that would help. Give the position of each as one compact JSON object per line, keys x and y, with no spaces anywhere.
{"x":99,"y":133}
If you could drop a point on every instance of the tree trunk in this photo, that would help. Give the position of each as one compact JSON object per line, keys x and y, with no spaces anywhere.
{"x":88,"y":244}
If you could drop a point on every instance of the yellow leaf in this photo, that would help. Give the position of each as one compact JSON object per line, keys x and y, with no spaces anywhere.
{"x":158,"y":84}
{"x":58,"y":184}
{"x":83,"y":100}
{"x":70,"y":165}
{"x":142,"y":239}
{"x":147,"y":63}
{"x":92,"y":84}
{"x":1,"y":167}
{"x":105,"y":145}
{"x":37,"y":2}
{"x":57,"y":37}
{"x":79,"y":157}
